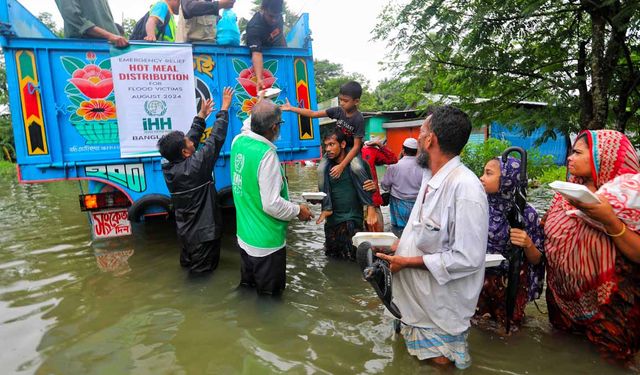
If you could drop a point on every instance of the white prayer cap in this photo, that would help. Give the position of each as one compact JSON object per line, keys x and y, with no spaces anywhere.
{"x":410,"y":143}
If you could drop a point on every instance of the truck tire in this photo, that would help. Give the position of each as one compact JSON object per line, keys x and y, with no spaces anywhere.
{"x":139,"y":207}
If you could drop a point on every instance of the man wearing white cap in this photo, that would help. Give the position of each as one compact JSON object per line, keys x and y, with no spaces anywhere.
{"x":403,"y":181}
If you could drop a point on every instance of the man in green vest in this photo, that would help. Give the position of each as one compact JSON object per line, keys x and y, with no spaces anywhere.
{"x":261,"y":197}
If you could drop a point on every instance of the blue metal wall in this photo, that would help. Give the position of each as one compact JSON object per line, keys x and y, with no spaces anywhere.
{"x":557,"y":148}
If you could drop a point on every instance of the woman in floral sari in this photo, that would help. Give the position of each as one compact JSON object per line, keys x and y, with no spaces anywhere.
{"x":593,"y":250}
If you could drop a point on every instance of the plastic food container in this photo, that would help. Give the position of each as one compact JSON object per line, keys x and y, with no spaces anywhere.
{"x":375,"y":238}
{"x":573,"y":191}
{"x":314,"y":196}
{"x":270,"y":93}
{"x":493,"y":260}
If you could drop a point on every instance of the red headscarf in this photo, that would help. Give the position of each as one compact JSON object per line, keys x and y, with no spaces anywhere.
{"x":580,"y":258}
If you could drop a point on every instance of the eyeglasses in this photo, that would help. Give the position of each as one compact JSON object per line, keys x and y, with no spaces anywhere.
{"x":280,"y":122}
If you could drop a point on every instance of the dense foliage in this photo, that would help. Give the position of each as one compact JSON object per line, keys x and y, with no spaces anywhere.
{"x":476,"y":155}
{"x":580,"y":57}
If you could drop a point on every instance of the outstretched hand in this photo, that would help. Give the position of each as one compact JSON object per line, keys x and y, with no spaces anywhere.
{"x":227,"y":97}
{"x":286,"y":106}
{"x":206,"y":108}
{"x":323,"y":216}
{"x":305,"y":213}
{"x":260,"y":86}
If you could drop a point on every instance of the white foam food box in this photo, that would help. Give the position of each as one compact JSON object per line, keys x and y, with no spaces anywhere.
{"x":493,"y":260}
{"x":375,"y":238}
{"x":270,"y":93}
{"x":314,"y":196}
{"x":573,"y":191}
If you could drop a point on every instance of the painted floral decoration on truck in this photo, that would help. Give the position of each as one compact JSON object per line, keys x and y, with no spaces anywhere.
{"x":247,"y":88}
{"x":90,"y":92}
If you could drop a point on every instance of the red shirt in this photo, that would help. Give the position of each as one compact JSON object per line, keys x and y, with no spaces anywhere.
{"x":377,"y":156}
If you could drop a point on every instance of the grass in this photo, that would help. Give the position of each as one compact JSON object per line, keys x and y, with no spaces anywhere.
{"x":7,"y":169}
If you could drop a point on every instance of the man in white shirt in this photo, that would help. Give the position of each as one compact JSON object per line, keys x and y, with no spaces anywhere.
{"x":403,"y":181}
{"x":261,"y":197}
{"x":439,"y":261}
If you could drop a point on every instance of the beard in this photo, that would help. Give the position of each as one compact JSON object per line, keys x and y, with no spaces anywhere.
{"x":423,"y":159}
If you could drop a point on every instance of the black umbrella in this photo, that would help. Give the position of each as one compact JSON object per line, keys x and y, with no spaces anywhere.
{"x":377,"y":272}
{"x":516,"y":220}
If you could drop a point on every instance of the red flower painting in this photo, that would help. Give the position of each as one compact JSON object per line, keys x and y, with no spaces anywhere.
{"x":247,"y":79}
{"x":97,"y":110}
{"x":93,"y":81}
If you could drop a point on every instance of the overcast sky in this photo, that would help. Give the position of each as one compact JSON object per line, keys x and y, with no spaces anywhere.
{"x":342,"y":29}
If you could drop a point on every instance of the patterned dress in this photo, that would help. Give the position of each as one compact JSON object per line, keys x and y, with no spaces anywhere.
{"x":492,"y":299}
{"x":594,"y":289}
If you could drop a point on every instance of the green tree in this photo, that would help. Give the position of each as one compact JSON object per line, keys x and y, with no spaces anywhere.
{"x":47,"y":19}
{"x":128,"y":24}
{"x":390,"y":95}
{"x":582,"y":57}
{"x":4,"y":89}
{"x":7,"y":145}
{"x":329,"y":76}
{"x":325,"y":70}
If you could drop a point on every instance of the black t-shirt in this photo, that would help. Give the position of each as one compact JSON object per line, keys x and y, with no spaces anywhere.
{"x":261,"y":34}
{"x":352,"y":127}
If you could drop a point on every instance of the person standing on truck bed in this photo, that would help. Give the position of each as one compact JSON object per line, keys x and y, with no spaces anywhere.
{"x":90,"y":19}
{"x":265,"y":29}
{"x":197,"y":19}
{"x":158,"y":23}
{"x":189,"y":178}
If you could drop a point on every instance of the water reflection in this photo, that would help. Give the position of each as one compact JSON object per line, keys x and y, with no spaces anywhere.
{"x":72,"y":306}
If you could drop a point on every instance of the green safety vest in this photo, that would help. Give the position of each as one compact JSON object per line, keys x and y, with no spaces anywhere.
{"x":167,"y":22}
{"x":172,"y":28}
{"x":255,"y":227}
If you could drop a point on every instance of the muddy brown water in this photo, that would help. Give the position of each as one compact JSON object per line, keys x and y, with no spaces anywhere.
{"x":72,"y":306}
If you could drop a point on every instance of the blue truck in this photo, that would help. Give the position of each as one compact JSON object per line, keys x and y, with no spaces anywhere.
{"x":63,"y":114}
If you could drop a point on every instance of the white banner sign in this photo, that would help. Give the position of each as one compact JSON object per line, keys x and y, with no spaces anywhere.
{"x":155,"y":94}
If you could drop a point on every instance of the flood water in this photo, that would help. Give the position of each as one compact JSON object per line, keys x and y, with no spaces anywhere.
{"x":72,"y":306}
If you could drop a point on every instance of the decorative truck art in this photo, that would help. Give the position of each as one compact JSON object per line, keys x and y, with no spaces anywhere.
{"x":67,"y":124}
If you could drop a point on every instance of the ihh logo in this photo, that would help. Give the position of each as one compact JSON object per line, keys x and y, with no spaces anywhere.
{"x":156,"y":108}
{"x":156,"y":123}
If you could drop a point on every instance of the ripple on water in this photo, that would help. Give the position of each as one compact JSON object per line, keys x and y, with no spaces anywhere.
{"x":72,"y":305}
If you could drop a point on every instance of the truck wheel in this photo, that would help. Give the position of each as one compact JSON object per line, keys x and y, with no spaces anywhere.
{"x":140,"y":207}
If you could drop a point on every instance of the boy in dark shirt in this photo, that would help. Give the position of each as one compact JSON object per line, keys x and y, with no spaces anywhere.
{"x":265,"y":29}
{"x":189,"y":178}
{"x":350,"y":122}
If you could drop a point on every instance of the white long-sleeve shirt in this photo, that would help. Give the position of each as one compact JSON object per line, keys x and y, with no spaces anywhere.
{"x":403,"y":179}
{"x":270,"y":186}
{"x":448,"y":227}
